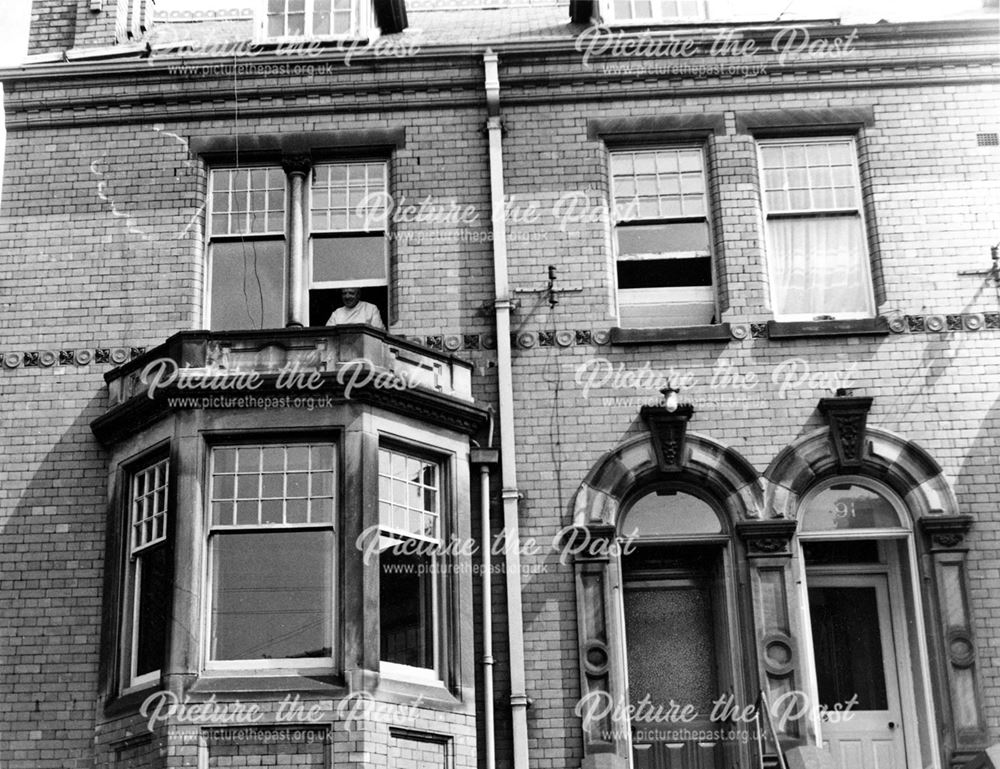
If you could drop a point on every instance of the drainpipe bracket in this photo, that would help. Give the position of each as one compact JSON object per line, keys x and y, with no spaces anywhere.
{"x":521,"y":701}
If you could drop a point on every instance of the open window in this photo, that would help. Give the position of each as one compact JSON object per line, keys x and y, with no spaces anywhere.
{"x":411,"y":589}
{"x":348,"y":245}
{"x":663,"y":256}
{"x":149,"y":573}
{"x":251,"y":238}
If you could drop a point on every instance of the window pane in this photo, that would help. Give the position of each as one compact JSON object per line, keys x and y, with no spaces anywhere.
{"x":809,"y":171}
{"x":406,"y":614}
{"x":406,"y":485}
{"x":819,"y":266}
{"x":848,"y":506}
{"x":664,"y":238}
{"x":658,"y":184}
{"x":153,"y":621}
{"x":669,"y":632}
{"x":670,"y":514}
{"x":248,"y":200}
{"x":248,"y":285}
{"x":847,"y":644}
{"x":349,"y":196}
{"x":650,"y":273}
{"x":148,"y":505}
{"x":349,"y":258}
{"x":272,"y":595}
{"x":279,"y":475}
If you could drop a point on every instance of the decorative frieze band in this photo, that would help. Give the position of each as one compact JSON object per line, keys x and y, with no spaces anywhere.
{"x":114,"y":356}
{"x":525,"y":340}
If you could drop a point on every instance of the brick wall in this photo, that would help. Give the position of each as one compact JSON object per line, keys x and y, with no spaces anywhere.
{"x":53,"y":24}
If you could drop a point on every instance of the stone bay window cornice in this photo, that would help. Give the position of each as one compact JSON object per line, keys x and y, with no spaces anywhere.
{"x":274,"y":368}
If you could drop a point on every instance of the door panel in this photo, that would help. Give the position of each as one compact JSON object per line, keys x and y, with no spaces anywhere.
{"x":670,"y":618}
{"x":853,"y":647}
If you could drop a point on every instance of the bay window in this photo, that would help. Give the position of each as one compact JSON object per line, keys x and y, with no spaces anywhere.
{"x":817,"y":252}
{"x":272,"y":545}
{"x":410,"y":560}
{"x":662,"y":238}
{"x":148,"y":576}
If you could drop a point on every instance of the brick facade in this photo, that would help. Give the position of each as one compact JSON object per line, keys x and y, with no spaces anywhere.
{"x":103,"y":219}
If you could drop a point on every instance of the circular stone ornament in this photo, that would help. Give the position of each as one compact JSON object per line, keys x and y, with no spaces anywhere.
{"x":934,"y":323}
{"x":973,"y":322}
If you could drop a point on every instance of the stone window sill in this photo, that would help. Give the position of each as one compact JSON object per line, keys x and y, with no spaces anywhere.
{"x":716,"y":332}
{"x":827,"y":328}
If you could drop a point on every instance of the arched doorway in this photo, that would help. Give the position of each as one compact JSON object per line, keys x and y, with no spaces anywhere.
{"x":680,"y":608}
{"x":866,"y":655}
{"x":664,"y":612}
{"x":876,"y":532}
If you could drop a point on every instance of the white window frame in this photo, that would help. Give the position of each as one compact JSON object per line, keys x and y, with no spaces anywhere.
{"x":439,"y":588}
{"x":138,"y":545}
{"x":363,"y":23}
{"x":816,"y":212}
{"x":664,"y":295}
{"x":230,"y":236}
{"x":275,"y":665}
{"x":379,"y":230}
{"x":656,"y":17}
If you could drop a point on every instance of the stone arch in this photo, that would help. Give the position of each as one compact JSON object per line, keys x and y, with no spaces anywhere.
{"x":902,"y":465}
{"x":721,"y":470}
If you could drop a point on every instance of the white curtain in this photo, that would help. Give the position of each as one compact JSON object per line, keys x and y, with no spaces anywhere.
{"x":819,"y":266}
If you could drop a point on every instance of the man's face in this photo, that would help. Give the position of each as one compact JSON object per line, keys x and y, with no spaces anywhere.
{"x":351,"y":296}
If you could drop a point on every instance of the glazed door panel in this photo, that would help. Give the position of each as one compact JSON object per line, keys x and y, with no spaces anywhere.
{"x":673,"y":662}
{"x":853,"y":644}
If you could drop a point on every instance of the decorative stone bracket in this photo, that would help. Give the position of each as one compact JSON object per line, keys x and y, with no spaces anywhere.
{"x":848,"y":417}
{"x":768,"y":538}
{"x":669,"y":431}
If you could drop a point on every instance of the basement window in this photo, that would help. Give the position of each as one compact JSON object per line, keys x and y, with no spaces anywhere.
{"x":663,"y":259}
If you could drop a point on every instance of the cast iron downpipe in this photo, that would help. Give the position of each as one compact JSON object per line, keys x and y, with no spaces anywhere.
{"x":505,"y":388}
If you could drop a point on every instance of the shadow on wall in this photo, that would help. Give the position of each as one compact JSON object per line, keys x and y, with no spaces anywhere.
{"x":51,"y":581}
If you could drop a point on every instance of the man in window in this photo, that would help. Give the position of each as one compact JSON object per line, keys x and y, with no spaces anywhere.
{"x":355,"y":311}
